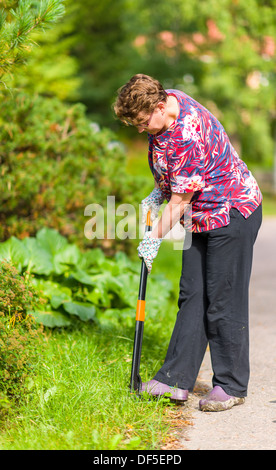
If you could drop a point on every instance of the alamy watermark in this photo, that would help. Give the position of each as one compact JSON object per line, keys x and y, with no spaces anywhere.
{"x":122,"y":223}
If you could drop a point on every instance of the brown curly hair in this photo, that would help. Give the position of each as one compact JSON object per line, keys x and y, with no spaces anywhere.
{"x":140,"y":95}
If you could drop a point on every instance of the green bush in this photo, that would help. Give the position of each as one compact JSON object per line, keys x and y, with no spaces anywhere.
{"x":17,"y":295}
{"x":19,"y":335}
{"x":54,"y":163}
{"x":81,"y":285}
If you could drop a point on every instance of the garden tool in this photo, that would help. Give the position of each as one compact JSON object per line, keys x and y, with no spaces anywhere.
{"x":135,"y":380}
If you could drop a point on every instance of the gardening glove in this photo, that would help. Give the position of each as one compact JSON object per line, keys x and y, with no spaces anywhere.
{"x":153,"y":203}
{"x":148,"y":249}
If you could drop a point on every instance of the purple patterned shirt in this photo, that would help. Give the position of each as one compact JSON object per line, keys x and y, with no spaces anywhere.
{"x":195,"y":154}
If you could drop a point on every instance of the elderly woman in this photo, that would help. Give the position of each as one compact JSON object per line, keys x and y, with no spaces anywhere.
{"x":193,"y":163}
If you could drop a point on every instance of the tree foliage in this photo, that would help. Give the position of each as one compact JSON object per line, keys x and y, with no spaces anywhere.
{"x":18,"y":20}
{"x":50,"y":69}
{"x":220,"y":52}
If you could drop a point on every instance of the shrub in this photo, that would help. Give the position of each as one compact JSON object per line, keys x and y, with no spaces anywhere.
{"x":17,"y":296}
{"x":19,"y":335}
{"x":54,"y":163}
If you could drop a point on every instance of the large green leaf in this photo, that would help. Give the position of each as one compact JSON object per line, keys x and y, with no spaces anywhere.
{"x":92,"y":258}
{"x":117,"y":317}
{"x":81,"y":276}
{"x":67,"y":258}
{"x":125,"y":264}
{"x":39,"y":259}
{"x":15,"y":252}
{"x":51,"y":318}
{"x":51,"y":240}
{"x":58,"y":300}
{"x":99,"y":296}
{"x":84,"y":311}
{"x":52,"y":289}
{"x":104,"y":285}
{"x":109,"y":266}
{"x":129,"y":291}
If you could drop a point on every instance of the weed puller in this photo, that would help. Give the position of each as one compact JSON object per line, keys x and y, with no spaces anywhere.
{"x":135,"y":379}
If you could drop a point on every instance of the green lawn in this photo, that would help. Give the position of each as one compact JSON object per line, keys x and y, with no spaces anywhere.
{"x":80,"y":400}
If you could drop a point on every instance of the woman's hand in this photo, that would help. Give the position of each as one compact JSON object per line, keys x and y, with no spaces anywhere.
{"x":149,"y":246}
{"x":148,"y":249}
{"x":153,"y":203}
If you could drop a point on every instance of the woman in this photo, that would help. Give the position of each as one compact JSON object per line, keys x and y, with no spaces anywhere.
{"x":193,"y":163}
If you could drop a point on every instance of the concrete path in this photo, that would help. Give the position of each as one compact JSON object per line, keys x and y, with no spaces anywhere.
{"x":251,"y":426}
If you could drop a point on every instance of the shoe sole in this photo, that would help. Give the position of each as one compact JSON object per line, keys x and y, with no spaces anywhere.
{"x":178,"y":402}
{"x":222,"y":405}
{"x":151,"y":396}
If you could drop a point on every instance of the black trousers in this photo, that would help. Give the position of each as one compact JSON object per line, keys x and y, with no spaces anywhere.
{"x":213,"y":307}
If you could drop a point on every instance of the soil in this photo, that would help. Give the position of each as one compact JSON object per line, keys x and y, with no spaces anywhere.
{"x":251,"y":426}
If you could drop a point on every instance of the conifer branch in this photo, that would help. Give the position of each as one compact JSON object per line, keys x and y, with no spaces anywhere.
{"x":17,"y":26}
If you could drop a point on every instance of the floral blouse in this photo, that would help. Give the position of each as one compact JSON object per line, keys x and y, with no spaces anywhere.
{"x":195,"y":154}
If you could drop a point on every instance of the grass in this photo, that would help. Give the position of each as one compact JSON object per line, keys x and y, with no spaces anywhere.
{"x":79,"y":397}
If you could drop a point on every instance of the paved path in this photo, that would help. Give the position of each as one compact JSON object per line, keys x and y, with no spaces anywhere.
{"x":251,"y":426}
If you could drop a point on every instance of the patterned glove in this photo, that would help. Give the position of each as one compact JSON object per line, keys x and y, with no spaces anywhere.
{"x":153,"y":203}
{"x":148,"y":249}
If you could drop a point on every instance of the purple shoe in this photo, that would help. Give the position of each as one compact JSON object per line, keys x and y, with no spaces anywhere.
{"x":218,"y":400}
{"x":158,"y":389}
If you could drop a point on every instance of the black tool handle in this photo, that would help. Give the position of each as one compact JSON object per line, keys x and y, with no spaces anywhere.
{"x":135,"y":380}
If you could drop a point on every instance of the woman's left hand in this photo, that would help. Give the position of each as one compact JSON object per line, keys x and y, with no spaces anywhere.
{"x":148,"y":249}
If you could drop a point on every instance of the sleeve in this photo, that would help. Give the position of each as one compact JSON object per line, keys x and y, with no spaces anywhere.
{"x":150,"y":160}
{"x":186,"y":167}
{"x":150,"y":150}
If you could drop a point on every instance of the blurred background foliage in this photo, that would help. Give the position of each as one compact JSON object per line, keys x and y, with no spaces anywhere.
{"x":221,"y":52}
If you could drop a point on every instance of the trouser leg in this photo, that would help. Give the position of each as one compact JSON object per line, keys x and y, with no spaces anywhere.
{"x":228,"y":269}
{"x":188,"y":341}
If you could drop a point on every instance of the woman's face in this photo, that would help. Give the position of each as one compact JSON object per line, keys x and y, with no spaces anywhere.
{"x":153,"y":123}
